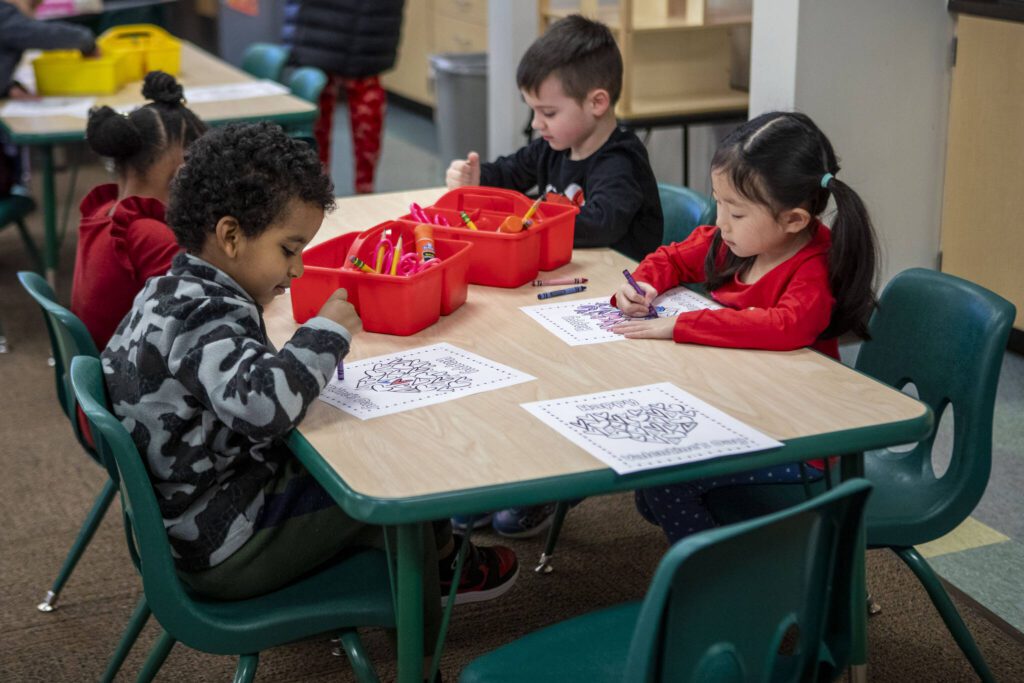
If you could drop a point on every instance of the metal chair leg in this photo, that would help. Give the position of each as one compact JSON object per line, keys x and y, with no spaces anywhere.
{"x":131,"y":632}
{"x":947,"y":610}
{"x":156,"y":657}
{"x":544,"y":564}
{"x":352,"y":646}
{"x":245,"y":672}
{"x":92,"y":522}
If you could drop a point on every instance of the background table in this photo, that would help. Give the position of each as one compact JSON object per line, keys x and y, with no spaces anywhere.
{"x":198,"y":68}
{"x":485,"y":452}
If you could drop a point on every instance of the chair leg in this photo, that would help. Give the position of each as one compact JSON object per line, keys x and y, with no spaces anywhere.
{"x":131,"y":632}
{"x":92,"y":522}
{"x":947,"y":610}
{"x":245,"y":672}
{"x":544,"y":564}
{"x":156,"y":657}
{"x":3,"y":339}
{"x":30,"y":246}
{"x":357,"y":657}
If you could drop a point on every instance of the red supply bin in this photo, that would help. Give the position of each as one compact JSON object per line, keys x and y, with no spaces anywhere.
{"x":505,"y":259}
{"x":388,"y":304}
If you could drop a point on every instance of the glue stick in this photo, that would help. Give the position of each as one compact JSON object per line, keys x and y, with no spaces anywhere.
{"x":425,"y":242}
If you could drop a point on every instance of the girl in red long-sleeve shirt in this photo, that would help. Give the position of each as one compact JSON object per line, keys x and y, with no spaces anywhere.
{"x":784,"y":279}
{"x":123,"y":239}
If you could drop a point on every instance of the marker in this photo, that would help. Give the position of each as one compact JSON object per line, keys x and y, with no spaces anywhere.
{"x":533,"y":208}
{"x":560,"y":281}
{"x":560,"y":292}
{"x":651,"y":311}
{"x":360,"y":264}
{"x":396,"y":256}
{"x":466,"y":219}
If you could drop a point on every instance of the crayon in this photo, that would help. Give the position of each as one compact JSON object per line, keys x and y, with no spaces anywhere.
{"x":560,"y":292}
{"x":651,"y":311}
{"x":341,"y":370}
{"x":396,"y":256}
{"x":560,"y":281}
{"x":360,"y":264}
{"x":466,"y":219}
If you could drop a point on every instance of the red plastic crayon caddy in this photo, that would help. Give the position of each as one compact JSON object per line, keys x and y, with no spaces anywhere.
{"x":502,"y":259}
{"x":388,"y":304}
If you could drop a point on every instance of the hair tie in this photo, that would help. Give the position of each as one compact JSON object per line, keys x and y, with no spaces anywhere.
{"x":825,"y":179}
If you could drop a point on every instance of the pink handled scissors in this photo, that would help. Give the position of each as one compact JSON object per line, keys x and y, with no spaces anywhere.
{"x":410,"y":264}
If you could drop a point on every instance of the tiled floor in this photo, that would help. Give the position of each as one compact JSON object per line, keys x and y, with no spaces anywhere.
{"x":984,"y":557}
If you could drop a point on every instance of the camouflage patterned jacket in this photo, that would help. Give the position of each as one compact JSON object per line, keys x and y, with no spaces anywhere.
{"x":208,"y":401}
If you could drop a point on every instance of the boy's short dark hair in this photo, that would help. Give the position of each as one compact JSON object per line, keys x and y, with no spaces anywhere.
{"x":582,"y":53}
{"x":246,"y":170}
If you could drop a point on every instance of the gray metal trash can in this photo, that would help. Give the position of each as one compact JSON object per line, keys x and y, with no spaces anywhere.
{"x":461,"y":114}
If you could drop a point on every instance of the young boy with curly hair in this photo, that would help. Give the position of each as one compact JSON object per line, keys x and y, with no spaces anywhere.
{"x":209,"y":400}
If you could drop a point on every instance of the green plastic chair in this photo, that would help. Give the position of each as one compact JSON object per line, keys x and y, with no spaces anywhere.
{"x":684,"y":210}
{"x":353,"y":592}
{"x":68,"y":338}
{"x":306,"y":82}
{"x":720,"y":606}
{"x":946,"y":336}
{"x":265,"y":60}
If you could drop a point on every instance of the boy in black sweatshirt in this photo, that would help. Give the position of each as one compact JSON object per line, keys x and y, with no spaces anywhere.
{"x":571,"y":78}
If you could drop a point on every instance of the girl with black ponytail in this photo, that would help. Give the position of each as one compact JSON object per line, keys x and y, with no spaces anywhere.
{"x":123,"y":238}
{"x":784,"y":279}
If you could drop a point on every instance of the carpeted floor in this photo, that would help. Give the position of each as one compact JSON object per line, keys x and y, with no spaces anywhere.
{"x":606,"y":555}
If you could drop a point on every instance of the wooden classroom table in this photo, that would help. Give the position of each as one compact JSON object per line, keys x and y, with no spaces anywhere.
{"x":484,"y":452}
{"x":198,"y":68}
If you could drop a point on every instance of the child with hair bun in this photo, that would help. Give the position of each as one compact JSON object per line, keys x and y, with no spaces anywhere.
{"x":123,"y":238}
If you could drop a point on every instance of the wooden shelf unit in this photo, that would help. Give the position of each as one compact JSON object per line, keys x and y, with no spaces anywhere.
{"x":677,"y":54}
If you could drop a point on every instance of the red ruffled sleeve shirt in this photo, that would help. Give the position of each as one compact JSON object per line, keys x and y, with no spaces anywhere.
{"x":788,"y":308}
{"x":120,"y":245}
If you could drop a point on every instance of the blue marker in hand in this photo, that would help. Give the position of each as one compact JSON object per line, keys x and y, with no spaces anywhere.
{"x":651,"y":311}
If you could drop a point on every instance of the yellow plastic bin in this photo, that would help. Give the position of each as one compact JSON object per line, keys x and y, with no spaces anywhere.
{"x":146,"y":47}
{"x":67,"y":72}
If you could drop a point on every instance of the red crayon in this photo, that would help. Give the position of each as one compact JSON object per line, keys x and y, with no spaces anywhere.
{"x":560,"y":281}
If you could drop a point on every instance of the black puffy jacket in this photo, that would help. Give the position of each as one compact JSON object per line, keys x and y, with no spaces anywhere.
{"x":352,"y":38}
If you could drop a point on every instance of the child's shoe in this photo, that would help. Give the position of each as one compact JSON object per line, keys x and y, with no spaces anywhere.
{"x":487,"y":573}
{"x":460,"y":522}
{"x":524,"y":522}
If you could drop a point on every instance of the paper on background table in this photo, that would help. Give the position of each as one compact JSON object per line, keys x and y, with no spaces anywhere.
{"x":233,"y":91}
{"x":48,"y":106}
{"x":588,"y":321}
{"x":646,"y":427}
{"x":415,"y":378}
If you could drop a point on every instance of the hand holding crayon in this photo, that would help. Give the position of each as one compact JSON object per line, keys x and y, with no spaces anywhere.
{"x":338,"y":309}
{"x":627,"y":301}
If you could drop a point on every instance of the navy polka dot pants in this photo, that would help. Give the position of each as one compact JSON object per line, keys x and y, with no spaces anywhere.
{"x":679,"y":509}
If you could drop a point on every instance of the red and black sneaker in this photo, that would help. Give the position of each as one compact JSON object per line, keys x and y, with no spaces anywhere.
{"x":487,"y":573}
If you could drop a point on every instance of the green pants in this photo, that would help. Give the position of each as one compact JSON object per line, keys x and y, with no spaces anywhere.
{"x":301,"y":530}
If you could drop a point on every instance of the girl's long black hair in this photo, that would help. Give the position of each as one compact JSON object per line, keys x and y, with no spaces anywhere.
{"x":778,"y":160}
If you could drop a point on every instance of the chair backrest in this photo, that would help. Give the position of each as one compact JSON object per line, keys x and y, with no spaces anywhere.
{"x":307,"y":82}
{"x":722,"y":602}
{"x":946,"y":336}
{"x":684,"y":210}
{"x":68,"y":338}
{"x":265,"y":60}
{"x":144,"y":525}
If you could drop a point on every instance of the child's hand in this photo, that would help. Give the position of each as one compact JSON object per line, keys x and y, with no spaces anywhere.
{"x":631,"y":303}
{"x":655,"y":328}
{"x":463,"y":172}
{"x":338,"y":309}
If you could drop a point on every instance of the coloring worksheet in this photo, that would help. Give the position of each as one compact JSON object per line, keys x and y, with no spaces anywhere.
{"x":589,"y":321}
{"x":647,"y":427}
{"x":411,"y":379}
